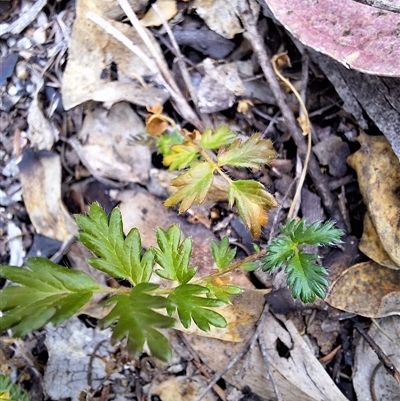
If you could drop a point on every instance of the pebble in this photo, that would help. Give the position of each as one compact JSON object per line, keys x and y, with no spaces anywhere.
{"x":21,"y":71}
{"x":24,"y":44}
{"x":11,"y":42}
{"x":12,"y":90}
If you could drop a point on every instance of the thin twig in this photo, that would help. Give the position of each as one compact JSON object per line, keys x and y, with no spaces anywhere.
{"x":319,"y":179}
{"x":181,"y":64}
{"x":183,"y":107}
{"x":387,"y":363}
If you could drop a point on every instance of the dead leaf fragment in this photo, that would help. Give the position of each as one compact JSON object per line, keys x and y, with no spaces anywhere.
{"x":92,"y":55}
{"x":167,"y":8}
{"x":221,"y":15}
{"x":40,"y":175}
{"x":378,"y":172}
{"x":107,"y":150}
{"x":367,"y":289}
{"x":41,"y":133}
{"x":371,"y":245}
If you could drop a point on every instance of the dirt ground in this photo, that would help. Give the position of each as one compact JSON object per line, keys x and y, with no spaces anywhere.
{"x":74,"y":111}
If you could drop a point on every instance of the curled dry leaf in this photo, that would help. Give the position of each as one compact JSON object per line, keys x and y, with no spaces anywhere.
{"x":371,"y":245}
{"x":359,"y":36}
{"x":378,"y":172}
{"x":40,"y":174}
{"x":367,"y":289}
{"x":167,"y":8}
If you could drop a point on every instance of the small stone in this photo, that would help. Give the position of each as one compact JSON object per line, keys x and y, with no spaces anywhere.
{"x":24,"y":44}
{"x":11,"y":42}
{"x":12,"y":90}
{"x":21,"y":71}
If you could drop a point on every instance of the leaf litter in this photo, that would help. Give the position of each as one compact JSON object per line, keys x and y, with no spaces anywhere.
{"x":105,"y":88}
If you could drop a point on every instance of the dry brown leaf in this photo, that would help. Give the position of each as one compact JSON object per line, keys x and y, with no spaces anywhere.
{"x":221,"y":15}
{"x":367,"y":289}
{"x":40,"y":175}
{"x":107,"y":150}
{"x":371,"y":245}
{"x":91,"y":54}
{"x":41,"y":133}
{"x":167,"y":8}
{"x":378,"y":172}
{"x":299,"y":376}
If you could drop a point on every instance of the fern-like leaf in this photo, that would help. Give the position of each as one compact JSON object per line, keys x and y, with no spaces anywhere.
{"x":137,"y":320}
{"x":306,"y":278}
{"x":117,"y":255}
{"x":317,"y":233}
{"x":47,"y":293}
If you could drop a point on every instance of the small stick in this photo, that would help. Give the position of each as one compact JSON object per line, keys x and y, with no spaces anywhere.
{"x":184,"y":108}
{"x":387,"y":363}
{"x":181,"y":64}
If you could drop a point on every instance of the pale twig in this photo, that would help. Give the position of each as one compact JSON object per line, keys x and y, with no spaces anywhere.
{"x":320,"y":180}
{"x":183,"y":107}
{"x":181,"y":63}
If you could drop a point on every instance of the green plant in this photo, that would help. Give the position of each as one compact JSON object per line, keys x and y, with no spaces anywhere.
{"x":49,"y":293}
{"x":10,"y":391}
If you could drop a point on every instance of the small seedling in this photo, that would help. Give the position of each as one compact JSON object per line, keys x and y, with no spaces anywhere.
{"x":48,"y":293}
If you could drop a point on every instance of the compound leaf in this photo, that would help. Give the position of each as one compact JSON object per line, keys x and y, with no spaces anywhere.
{"x":117,"y":255}
{"x":187,"y":299}
{"x":181,"y":156}
{"x":252,"y":201}
{"x":173,"y":255}
{"x":194,"y":186}
{"x":222,"y":136}
{"x":222,"y":253}
{"x":252,"y":153}
{"x":306,"y":278}
{"x":135,"y":319}
{"x":46,"y":293}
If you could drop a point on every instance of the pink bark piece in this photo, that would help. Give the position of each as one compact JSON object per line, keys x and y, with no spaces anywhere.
{"x":359,"y":36}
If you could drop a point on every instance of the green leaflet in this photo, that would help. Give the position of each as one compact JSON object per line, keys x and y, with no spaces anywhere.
{"x":194,"y":186}
{"x":306,"y":278}
{"x":252,"y":153}
{"x":173,"y":255}
{"x":48,"y":293}
{"x":187,"y":299}
{"x":10,"y":391}
{"x":136,"y":319}
{"x":222,"y":136}
{"x":252,"y":202}
{"x":221,"y":253}
{"x":117,"y":255}
{"x":181,"y":156}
